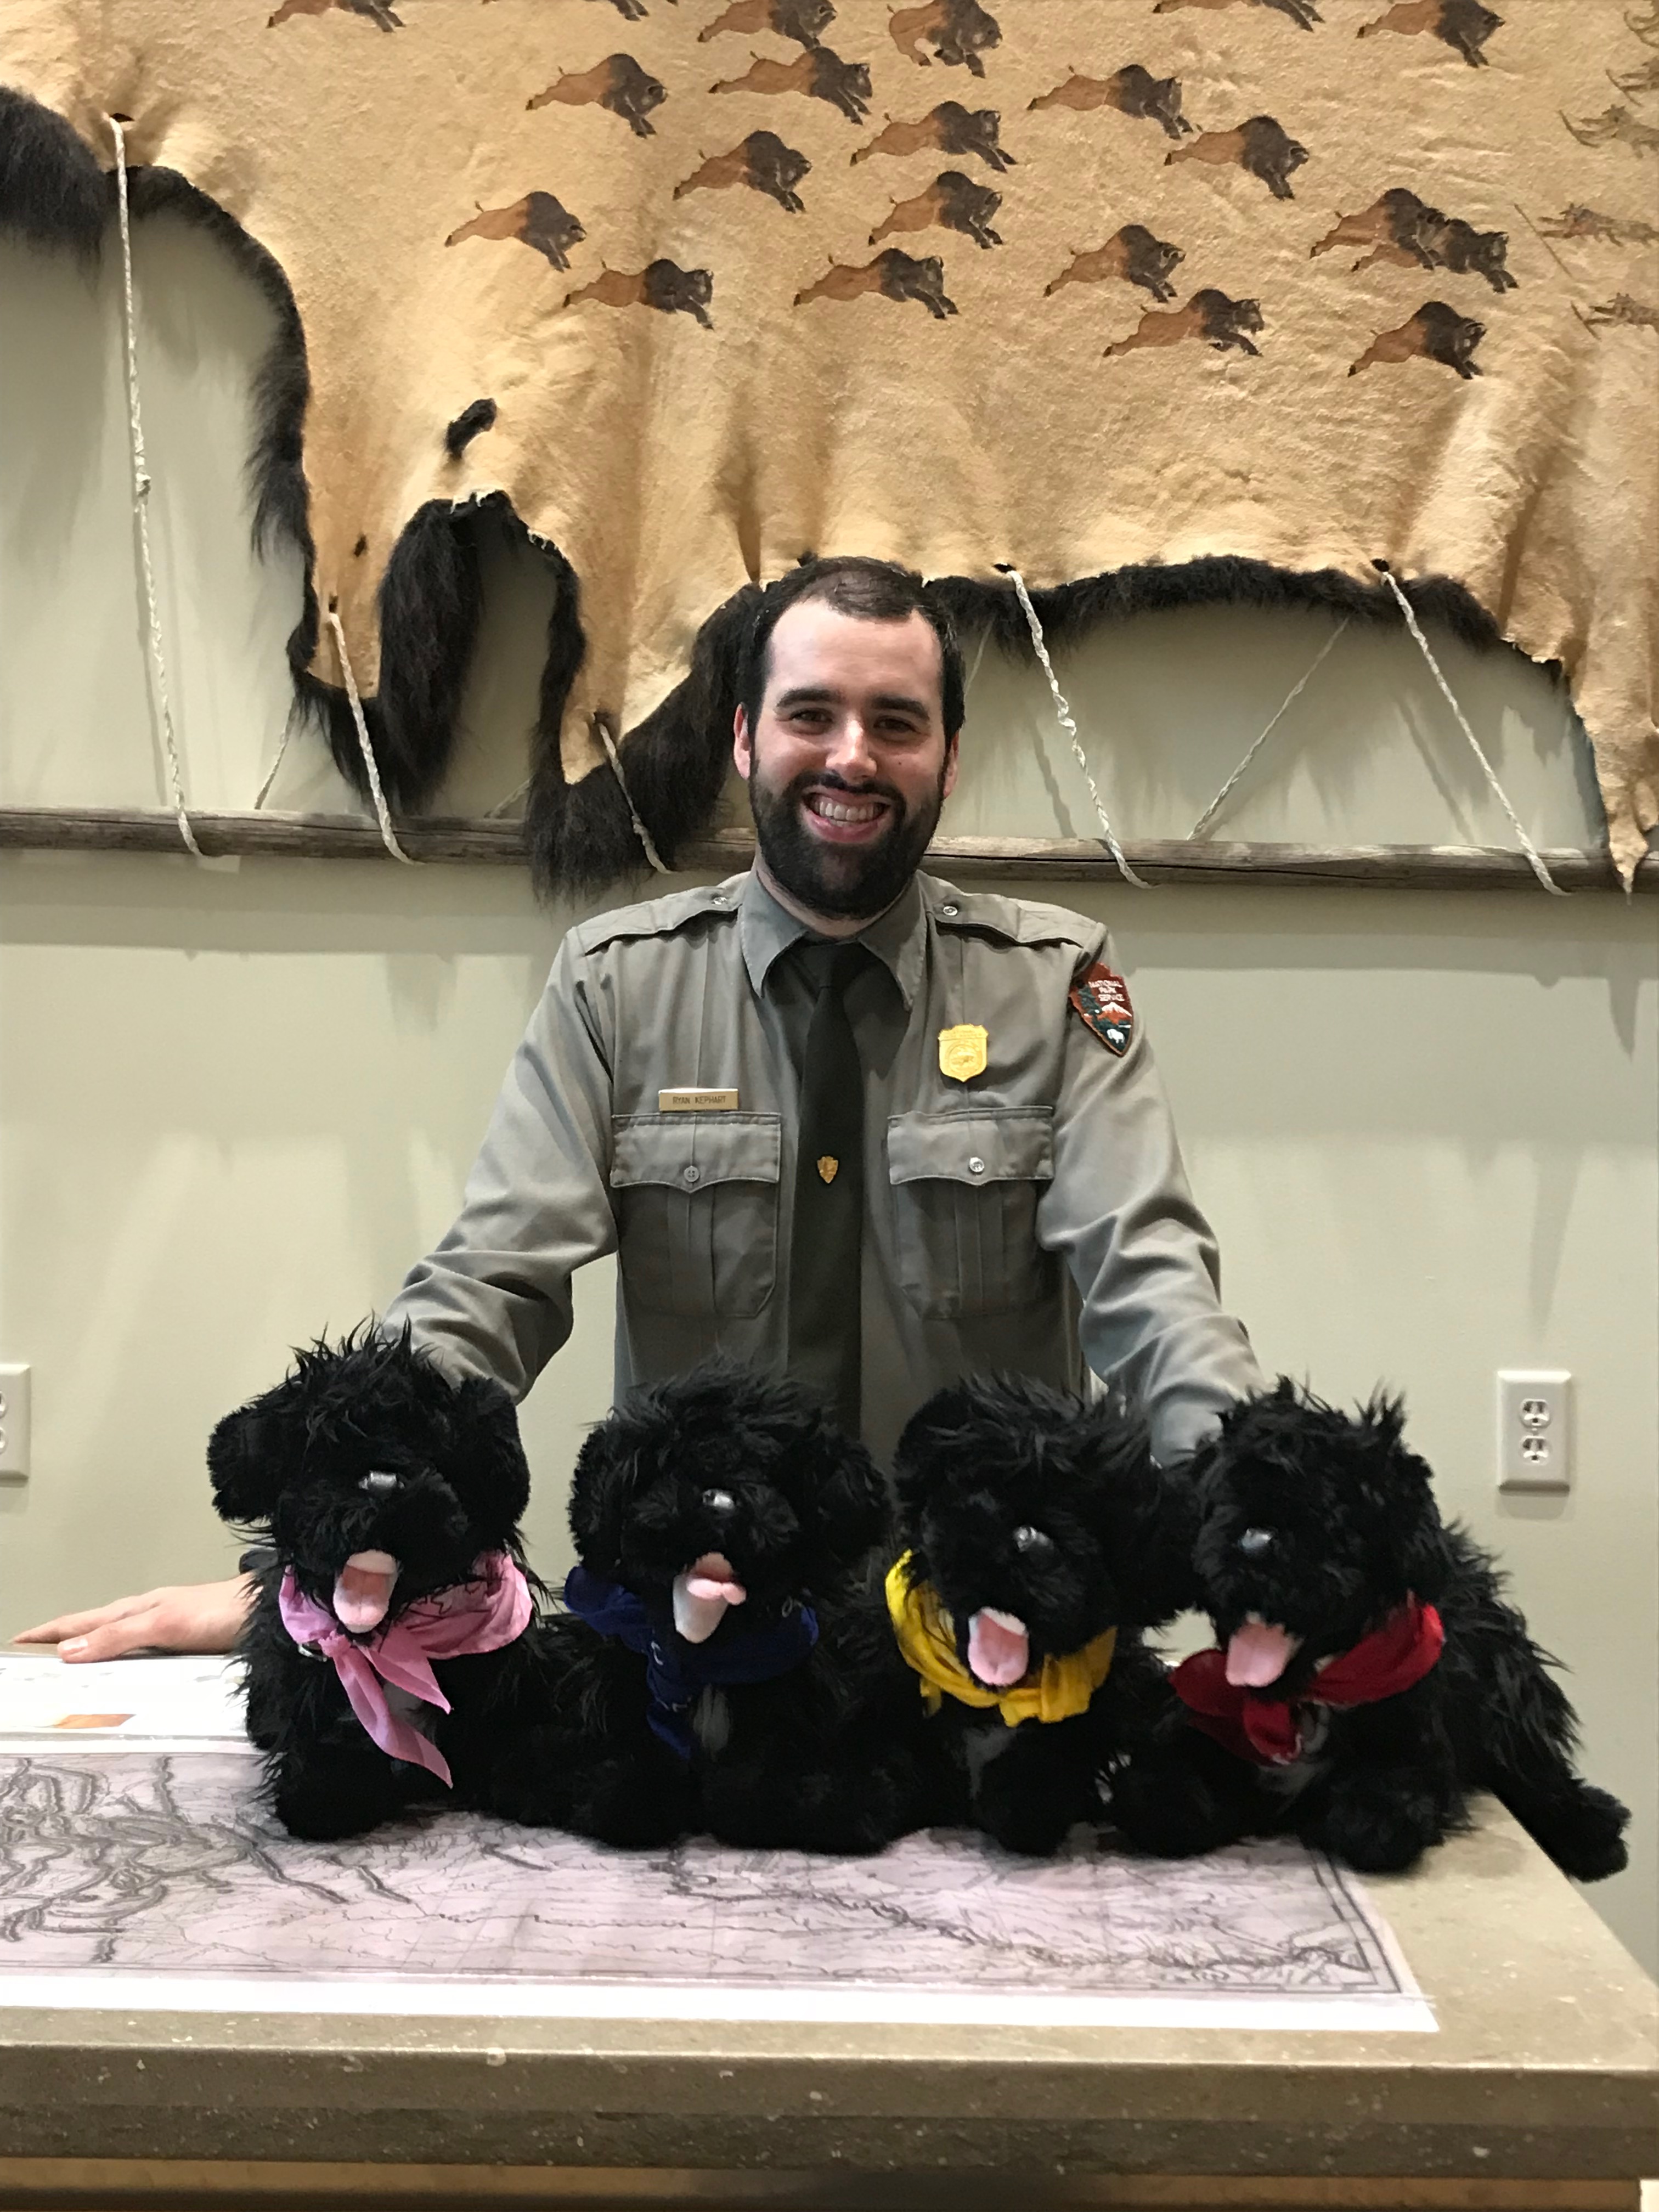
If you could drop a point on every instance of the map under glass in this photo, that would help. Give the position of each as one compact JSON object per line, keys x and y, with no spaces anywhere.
{"x":146,"y":1878}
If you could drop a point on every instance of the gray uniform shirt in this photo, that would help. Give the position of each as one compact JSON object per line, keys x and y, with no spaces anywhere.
{"x":1032,"y":1218}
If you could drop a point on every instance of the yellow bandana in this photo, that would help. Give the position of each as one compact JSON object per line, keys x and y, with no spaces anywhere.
{"x":923,"y":1627}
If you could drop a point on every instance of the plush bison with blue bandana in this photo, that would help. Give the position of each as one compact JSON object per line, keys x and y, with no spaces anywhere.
{"x":725,"y":1662}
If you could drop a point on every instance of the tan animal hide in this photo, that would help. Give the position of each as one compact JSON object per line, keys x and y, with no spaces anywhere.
{"x":1152,"y":298}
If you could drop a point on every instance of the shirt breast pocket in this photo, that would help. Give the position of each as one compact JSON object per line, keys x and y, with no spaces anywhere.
{"x":966,"y":1184}
{"x":696,"y":1204}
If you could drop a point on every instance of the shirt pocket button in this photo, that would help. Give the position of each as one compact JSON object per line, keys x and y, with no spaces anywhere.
{"x":976,"y":1166}
{"x":692,"y":1175}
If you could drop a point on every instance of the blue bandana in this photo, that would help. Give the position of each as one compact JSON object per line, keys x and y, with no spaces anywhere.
{"x":675,"y":1671}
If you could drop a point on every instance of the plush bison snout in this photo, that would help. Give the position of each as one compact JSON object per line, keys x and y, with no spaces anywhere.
{"x":998,"y":1648}
{"x":703,"y":1594}
{"x":363,"y":1590}
{"x":1258,"y":1652}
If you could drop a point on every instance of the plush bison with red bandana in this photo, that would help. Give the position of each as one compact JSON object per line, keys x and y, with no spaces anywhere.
{"x":1368,"y":1673}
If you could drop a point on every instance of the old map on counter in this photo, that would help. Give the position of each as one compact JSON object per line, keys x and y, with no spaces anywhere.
{"x":140,"y":1867}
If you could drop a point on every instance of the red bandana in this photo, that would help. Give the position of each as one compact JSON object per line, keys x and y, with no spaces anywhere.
{"x":1256,"y":1724}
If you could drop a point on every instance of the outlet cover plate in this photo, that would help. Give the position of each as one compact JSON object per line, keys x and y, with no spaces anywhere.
{"x":1534,"y":1429}
{"x":13,"y":1419}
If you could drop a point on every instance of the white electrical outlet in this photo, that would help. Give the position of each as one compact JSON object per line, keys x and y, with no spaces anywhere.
{"x":1534,"y":1438}
{"x":13,"y":1419}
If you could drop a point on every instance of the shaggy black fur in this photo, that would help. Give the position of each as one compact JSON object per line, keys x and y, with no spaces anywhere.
{"x":1052,"y":1510}
{"x":1323,"y":1523}
{"x":580,"y":836}
{"x":52,"y":192}
{"x":470,"y":423}
{"x":829,"y":1755}
{"x":291,"y":1464}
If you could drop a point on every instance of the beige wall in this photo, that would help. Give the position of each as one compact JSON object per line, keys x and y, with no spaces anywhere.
{"x":236,"y":1099}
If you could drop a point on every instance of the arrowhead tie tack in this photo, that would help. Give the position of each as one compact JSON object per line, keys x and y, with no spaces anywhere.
{"x":827,"y":1166}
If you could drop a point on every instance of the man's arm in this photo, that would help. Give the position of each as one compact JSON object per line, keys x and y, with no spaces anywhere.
{"x":185,"y":1617}
{"x":1141,"y":1254}
{"x":494,"y":1299}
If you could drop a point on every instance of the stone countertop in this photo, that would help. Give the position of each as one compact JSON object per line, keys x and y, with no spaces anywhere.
{"x":1546,"y":2065}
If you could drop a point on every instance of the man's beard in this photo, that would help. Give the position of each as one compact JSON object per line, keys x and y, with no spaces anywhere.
{"x":854,"y":882}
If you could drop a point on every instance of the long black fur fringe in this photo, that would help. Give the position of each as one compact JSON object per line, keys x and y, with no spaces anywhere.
{"x":580,"y":837}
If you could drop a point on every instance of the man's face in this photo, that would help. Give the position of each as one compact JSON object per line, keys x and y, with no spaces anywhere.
{"x":848,"y":764}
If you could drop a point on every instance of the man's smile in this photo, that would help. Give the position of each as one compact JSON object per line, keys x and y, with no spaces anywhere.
{"x":846,"y":818}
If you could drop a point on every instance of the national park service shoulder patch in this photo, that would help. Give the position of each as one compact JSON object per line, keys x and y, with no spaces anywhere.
{"x":1101,"y":998}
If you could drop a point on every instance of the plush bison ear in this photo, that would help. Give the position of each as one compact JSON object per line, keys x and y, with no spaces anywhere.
{"x":488,"y":1471}
{"x":848,"y":1498}
{"x":1407,"y":1484}
{"x":601,"y":1491}
{"x":929,"y":1448}
{"x":252,"y":1456}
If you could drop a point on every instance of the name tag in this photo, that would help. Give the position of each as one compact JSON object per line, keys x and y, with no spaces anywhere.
{"x":696,"y":1101}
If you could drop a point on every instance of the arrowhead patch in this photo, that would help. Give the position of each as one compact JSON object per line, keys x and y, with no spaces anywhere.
{"x":1101,"y":999}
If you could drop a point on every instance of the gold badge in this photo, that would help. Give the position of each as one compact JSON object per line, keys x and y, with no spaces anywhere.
{"x":827,"y":1166}
{"x":963,"y":1051}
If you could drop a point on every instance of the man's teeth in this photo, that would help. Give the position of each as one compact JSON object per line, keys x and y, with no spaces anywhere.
{"x":845,"y":810}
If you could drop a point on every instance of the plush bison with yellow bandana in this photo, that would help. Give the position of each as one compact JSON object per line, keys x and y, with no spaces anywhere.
{"x":1043,"y":1543}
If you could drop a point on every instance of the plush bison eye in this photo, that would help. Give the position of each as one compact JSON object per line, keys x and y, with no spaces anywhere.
{"x":1027,"y":1538}
{"x":719,"y":1501}
{"x":1255,"y":1541}
{"x":377,"y":1479}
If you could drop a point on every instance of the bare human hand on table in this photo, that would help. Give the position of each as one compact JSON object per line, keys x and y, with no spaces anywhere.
{"x":182,"y":1617}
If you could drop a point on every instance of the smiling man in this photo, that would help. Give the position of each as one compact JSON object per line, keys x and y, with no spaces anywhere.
{"x":835,"y":1116}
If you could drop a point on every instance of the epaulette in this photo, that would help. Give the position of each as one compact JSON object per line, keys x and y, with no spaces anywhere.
{"x":658,"y":917}
{"x":1020,"y":921}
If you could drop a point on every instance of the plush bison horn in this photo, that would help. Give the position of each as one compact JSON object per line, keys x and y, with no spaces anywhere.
{"x":1027,"y":1538}
{"x":719,"y":1501}
{"x":1255,"y":1541}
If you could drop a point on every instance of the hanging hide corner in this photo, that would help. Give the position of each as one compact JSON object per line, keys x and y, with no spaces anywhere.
{"x":669,"y":773}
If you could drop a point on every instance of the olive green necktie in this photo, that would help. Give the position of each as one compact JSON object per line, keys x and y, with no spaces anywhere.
{"x":826,"y":1239}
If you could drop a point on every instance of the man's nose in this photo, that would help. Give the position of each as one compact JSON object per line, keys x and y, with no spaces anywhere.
{"x":850,"y":754}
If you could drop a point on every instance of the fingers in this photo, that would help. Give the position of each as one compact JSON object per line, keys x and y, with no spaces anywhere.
{"x":197,"y":1617}
{"x":138,"y":1626}
{"x":69,"y":1625}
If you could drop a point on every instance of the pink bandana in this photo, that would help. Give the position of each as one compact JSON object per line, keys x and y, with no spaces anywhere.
{"x":481,"y":1615}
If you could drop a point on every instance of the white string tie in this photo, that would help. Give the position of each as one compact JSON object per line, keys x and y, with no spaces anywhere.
{"x":1290,"y":697}
{"x":984,"y":640}
{"x":388,"y":836}
{"x":1067,"y":724}
{"x":141,"y":488}
{"x":639,"y":829}
{"x":290,"y":719}
{"x":1534,"y":857}
{"x":501,"y":804}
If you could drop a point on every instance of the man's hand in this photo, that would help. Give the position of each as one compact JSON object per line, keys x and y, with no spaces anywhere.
{"x":185,"y":1616}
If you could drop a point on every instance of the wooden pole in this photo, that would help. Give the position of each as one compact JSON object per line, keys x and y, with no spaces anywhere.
{"x":472,"y":840}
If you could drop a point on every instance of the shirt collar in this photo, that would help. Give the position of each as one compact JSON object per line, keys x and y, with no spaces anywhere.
{"x":898,"y":938}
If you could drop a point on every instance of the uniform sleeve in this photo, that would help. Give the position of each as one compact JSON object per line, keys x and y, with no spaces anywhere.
{"x":1141,"y":1254}
{"x":494,"y":1299}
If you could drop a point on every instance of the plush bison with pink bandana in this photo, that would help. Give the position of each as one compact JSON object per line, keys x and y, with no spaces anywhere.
{"x":391,"y":1653}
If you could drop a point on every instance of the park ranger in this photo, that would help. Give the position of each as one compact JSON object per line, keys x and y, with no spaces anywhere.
{"x":834,"y":1116}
